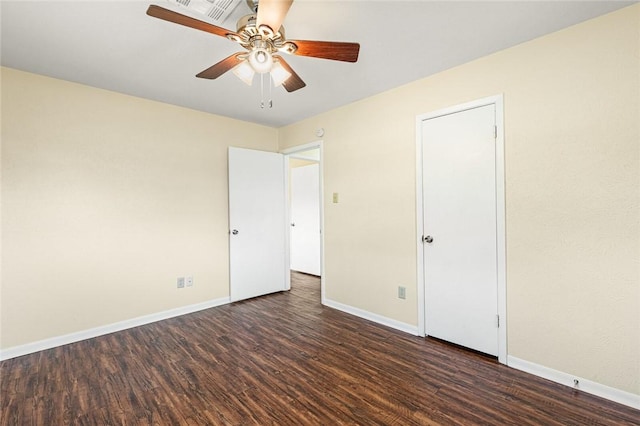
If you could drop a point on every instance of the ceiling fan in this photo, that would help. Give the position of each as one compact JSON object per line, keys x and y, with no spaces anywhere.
{"x":262,"y":35}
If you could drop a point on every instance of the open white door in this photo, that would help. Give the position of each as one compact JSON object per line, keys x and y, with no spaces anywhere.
{"x":257,"y":218}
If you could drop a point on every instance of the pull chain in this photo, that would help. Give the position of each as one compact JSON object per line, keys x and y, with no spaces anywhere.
{"x":262,"y":91}
{"x":262,"y":102}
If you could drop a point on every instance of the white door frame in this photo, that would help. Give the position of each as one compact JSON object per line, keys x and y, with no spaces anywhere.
{"x":290,"y":153}
{"x":500,"y":215}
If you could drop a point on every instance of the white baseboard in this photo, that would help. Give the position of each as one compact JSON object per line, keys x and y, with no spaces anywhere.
{"x":598,"y":389}
{"x":107,"y":329}
{"x":398,"y":325}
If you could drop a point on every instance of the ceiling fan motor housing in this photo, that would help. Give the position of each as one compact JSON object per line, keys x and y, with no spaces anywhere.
{"x":248,"y":34}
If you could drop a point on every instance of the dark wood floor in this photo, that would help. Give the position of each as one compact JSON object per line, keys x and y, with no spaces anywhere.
{"x":282,"y":359}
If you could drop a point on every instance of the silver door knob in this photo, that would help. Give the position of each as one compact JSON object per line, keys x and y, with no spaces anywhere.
{"x":234,"y":232}
{"x":428,"y":239}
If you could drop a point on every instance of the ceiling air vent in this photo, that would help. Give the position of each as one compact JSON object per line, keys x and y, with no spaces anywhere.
{"x":216,"y":10}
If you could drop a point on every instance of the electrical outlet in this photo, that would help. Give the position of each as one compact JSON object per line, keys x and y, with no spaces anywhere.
{"x":189,"y":281}
{"x":335,"y":198}
{"x":181,"y":282}
{"x":402,"y":292}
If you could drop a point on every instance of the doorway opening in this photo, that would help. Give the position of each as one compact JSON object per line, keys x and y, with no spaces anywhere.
{"x":303,"y":168}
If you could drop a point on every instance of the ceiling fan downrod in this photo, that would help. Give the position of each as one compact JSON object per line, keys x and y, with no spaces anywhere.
{"x":253,"y":5}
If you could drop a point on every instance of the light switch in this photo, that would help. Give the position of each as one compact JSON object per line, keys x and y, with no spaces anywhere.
{"x":335,"y":198}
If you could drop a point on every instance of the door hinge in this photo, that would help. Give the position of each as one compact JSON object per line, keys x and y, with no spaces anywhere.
{"x":495,"y":132}
{"x":498,"y":321}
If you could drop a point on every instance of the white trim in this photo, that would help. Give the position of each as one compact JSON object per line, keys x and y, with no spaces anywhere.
{"x":588,"y":386}
{"x":287,"y":223}
{"x":398,"y":325}
{"x":420,"y":232}
{"x":500,"y":215}
{"x":501,"y":230}
{"x":302,"y":157}
{"x":290,"y":153}
{"x":107,"y":329}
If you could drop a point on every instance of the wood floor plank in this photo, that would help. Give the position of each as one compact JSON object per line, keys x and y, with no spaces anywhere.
{"x":282,"y":359}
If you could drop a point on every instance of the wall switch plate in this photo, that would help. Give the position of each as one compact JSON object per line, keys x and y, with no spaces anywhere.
{"x":189,"y":281}
{"x":402,"y":292}
{"x":335,"y":198}
{"x":181,"y":282}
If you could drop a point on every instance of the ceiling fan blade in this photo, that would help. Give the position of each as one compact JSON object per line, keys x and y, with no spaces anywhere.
{"x":294,"y":82}
{"x":177,"y":18}
{"x":334,"y":50}
{"x":221,"y":67}
{"x":272,"y":13}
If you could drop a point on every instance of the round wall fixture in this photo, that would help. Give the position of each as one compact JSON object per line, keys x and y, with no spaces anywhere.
{"x":320,"y":132}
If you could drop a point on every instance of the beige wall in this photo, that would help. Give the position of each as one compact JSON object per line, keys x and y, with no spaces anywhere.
{"x":572,"y":120}
{"x":106,"y":200}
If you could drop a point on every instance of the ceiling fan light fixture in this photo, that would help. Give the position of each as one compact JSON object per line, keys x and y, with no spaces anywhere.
{"x":261,"y":60}
{"x":278,"y":74}
{"x":244,"y":72}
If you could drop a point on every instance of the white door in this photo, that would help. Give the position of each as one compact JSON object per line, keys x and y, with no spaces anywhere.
{"x":257,"y":219}
{"x":460,"y":248}
{"x":305,"y":219}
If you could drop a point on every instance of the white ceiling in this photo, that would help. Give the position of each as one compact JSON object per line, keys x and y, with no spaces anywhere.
{"x":114,"y":45}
